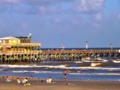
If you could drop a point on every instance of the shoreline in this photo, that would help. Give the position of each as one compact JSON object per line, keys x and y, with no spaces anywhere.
{"x":59,"y":85}
{"x":55,"y":79}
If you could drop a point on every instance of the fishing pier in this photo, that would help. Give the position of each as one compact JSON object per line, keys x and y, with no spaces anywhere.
{"x":22,"y":49}
{"x":81,"y":54}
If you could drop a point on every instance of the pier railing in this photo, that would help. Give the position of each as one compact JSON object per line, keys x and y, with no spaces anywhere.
{"x":58,"y":55}
{"x":20,"y":52}
{"x":21,"y":45}
{"x":79,"y":51}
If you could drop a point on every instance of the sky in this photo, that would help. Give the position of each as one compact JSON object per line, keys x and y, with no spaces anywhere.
{"x":55,"y":23}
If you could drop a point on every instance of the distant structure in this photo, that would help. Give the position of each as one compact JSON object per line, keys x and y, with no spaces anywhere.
{"x":62,"y":46}
{"x":111,"y":46}
{"x":18,"y":48}
{"x":86,"y":46}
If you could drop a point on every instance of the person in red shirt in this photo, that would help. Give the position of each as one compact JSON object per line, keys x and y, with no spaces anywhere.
{"x":65,"y":74}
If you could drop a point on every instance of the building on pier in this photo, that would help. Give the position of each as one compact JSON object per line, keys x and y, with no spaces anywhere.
{"x":14,"y":48}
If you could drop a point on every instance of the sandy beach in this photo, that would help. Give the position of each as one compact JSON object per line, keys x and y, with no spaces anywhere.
{"x":60,"y":85}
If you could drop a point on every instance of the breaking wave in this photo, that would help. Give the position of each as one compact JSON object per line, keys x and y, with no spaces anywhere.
{"x":102,"y":74}
{"x":33,"y":66}
{"x":37,"y":72}
{"x":59,"y":72}
{"x":60,"y":67}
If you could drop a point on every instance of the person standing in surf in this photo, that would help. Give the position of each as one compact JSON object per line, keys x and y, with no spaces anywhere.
{"x":65,"y":74}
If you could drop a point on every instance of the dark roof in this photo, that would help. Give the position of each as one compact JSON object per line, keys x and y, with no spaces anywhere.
{"x":20,"y":37}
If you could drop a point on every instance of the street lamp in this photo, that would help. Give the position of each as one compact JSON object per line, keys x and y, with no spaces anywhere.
{"x":86,"y":45}
{"x":111,"y":46}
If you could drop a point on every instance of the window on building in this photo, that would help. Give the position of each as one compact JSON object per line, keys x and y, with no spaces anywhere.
{"x":6,"y":41}
{"x":0,"y":41}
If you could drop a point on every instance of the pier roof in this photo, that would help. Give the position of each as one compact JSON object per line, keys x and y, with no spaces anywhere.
{"x":9,"y":37}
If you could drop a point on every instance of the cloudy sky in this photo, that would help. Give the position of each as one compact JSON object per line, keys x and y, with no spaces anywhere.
{"x":63,"y":22}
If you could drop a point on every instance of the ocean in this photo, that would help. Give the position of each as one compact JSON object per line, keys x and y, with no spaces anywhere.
{"x":55,"y":70}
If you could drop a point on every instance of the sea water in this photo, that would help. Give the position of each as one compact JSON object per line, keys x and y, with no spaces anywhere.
{"x":56,"y":69}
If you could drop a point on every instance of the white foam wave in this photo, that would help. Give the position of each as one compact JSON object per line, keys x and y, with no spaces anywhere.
{"x":59,"y":72}
{"x":1,"y":69}
{"x":36,"y":72}
{"x":60,"y":67}
{"x":95,"y":68}
{"x":33,"y":66}
{"x":101,"y":74}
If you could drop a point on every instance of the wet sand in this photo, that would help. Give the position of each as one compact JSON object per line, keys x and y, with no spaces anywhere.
{"x":60,"y":85}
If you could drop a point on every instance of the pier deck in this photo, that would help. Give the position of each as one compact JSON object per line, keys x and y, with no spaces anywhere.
{"x":60,"y":55}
